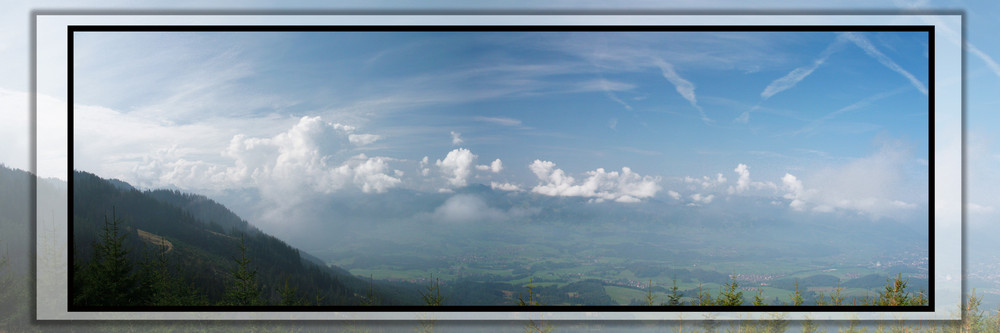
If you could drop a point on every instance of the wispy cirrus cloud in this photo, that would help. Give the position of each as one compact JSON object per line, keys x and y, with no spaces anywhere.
{"x":956,"y":38}
{"x":499,"y":120}
{"x":798,"y":74}
{"x":603,"y":85}
{"x":684,"y":87}
{"x":791,"y":79}
{"x":992,"y":64}
{"x":864,"y":103}
{"x":614,"y":97}
{"x":872,"y":51}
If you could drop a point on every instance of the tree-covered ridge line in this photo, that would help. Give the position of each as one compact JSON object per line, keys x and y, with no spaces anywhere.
{"x":108,"y":218}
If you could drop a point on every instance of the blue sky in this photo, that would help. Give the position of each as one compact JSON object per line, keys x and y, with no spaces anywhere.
{"x":981,"y":81}
{"x":605,"y":116}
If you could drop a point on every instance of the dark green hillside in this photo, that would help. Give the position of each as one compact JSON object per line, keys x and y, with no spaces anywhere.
{"x":14,"y":213}
{"x":203,"y":253}
{"x":204,"y":209}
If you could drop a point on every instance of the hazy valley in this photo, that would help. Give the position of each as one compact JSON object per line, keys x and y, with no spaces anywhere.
{"x":486,"y":245}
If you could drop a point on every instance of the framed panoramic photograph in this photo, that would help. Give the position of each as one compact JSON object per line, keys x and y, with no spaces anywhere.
{"x":444,"y":168}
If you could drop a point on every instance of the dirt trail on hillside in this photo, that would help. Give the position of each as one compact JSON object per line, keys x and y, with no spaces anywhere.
{"x":155,"y":240}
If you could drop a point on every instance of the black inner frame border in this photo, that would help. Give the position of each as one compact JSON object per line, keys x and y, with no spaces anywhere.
{"x":929,"y":29}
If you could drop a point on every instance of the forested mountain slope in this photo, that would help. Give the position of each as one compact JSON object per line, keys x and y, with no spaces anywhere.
{"x":209,"y":247}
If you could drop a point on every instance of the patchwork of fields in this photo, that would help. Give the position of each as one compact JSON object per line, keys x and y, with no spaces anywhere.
{"x":625,"y":264}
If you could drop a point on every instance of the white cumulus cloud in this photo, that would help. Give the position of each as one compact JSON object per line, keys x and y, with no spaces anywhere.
{"x":456,"y":138}
{"x":457,"y":166}
{"x":675,"y":195}
{"x":304,"y":157}
{"x":342,"y":127}
{"x":624,"y":186}
{"x":363,"y":139}
{"x":743,"y":182}
{"x":422,"y":166}
{"x":706,"y":199}
{"x":504,"y":186}
{"x":372,"y":176}
{"x":707,"y":181}
{"x":796,"y":191}
{"x":494,"y":167}
{"x":874,"y":186}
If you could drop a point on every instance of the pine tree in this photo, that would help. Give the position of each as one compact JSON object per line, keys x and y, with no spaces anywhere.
{"x":758,"y":299}
{"x":972,"y":317}
{"x":756,"y":326}
{"x":809,"y":326}
{"x":649,"y":293}
{"x":821,"y":300}
{"x":853,"y":326}
{"x":836,"y":298}
{"x":675,"y":295}
{"x":161,"y":286}
{"x":432,"y":298}
{"x":433,"y":295}
{"x":704,"y":298}
{"x":12,"y":295}
{"x":151,"y":280}
{"x":531,"y":295}
{"x":109,"y":280}
{"x":154,"y":280}
{"x":777,"y":323}
{"x":797,"y":295}
{"x":708,"y":324}
{"x":243,"y":291}
{"x":895,"y":292}
{"x":370,"y":298}
{"x":287,"y":293}
{"x":748,"y":326}
{"x":919,"y":299}
{"x":533,"y":326}
{"x":729,"y":296}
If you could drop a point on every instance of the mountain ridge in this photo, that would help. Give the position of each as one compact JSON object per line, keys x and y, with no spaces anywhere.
{"x":204,"y":247}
